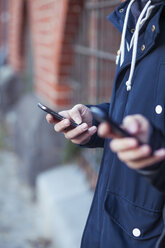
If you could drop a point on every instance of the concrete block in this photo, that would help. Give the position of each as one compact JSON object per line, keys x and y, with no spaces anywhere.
{"x":35,"y":141}
{"x":64,"y":200}
{"x":11,"y":88}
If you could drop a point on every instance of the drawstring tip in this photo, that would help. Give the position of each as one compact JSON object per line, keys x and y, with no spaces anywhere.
{"x":128,"y":86}
{"x":118,"y":56}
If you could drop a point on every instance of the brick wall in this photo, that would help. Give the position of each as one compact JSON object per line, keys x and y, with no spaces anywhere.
{"x":96,"y":47}
{"x":0,"y":23}
{"x":16,"y":34}
{"x":53,"y":26}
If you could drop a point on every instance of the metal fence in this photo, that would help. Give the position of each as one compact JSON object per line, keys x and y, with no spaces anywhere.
{"x":95,"y":53}
{"x":94,"y":65}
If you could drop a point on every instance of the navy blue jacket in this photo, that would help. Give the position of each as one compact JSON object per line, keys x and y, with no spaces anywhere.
{"x":127,"y":209}
{"x":156,"y":174}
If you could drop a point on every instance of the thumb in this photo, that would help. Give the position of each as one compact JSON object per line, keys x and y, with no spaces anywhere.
{"x":75,"y":115}
{"x":131,"y":124}
{"x":138,"y":125}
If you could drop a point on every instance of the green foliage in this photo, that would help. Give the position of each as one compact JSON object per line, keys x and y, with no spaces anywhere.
{"x":71,"y":152}
{"x":2,"y":136}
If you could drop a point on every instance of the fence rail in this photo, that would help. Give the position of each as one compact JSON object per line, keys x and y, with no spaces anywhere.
{"x":95,"y":53}
{"x":100,"y":5}
{"x":94,"y":64}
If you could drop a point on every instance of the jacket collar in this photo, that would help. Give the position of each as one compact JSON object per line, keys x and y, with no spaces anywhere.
{"x":118,"y":15}
{"x":147,"y":37}
{"x":138,"y":5}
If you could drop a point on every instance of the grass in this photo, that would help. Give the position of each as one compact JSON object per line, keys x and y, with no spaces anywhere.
{"x":3,"y":133}
{"x":71,"y":152}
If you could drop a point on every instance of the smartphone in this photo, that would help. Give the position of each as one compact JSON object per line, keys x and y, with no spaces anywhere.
{"x":100,"y":116}
{"x":56,"y":116}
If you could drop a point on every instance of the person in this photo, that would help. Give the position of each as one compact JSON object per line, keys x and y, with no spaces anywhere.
{"x":151,"y":166}
{"x":126,"y":210}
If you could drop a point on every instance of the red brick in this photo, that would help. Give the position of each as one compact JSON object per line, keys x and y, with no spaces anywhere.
{"x":54,"y":25}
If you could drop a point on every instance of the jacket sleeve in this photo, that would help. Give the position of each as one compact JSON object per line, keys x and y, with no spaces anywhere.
{"x":95,"y":140}
{"x":156,"y":172}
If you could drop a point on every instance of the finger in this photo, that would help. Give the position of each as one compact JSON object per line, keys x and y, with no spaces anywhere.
{"x":50,"y":119}
{"x":74,"y":133}
{"x":75,"y":115}
{"x":140,"y":164}
{"x":131,"y":124}
{"x":62,"y":125}
{"x":65,"y":113}
{"x":135,"y":154}
{"x":104,"y":130}
{"x":85,"y":137}
{"x":123,"y":144}
{"x":160,"y":153}
{"x":137,"y":125}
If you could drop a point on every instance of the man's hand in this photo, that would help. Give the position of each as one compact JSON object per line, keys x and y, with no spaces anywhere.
{"x":127,"y":149}
{"x":81,"y":115}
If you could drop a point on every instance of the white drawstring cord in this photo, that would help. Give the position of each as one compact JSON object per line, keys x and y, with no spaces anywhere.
{"x":122,"y":46}
{"x":149,"y":10}
{"x":135,"y":44}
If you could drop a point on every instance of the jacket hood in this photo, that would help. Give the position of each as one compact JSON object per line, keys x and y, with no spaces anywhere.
{"x":138,"y":5}
{"x":141,"y":11}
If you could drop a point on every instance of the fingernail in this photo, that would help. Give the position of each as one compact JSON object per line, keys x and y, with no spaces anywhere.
{"x":160,"y":153}
{"x":77,"y":120}
{"x":145,"y":149}
{"x":92,"y":129}
{"x":132,"y":128}
{"x":66,"y":122}
{"x":84,"y":126}
{"x":132,"y":142}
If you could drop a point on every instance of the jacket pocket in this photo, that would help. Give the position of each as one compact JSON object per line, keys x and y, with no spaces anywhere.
{"x":138,"y":223}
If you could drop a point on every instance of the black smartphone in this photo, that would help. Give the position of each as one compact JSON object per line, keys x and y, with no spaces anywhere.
{"x":100,"y":116}
{"x":55,"y":115}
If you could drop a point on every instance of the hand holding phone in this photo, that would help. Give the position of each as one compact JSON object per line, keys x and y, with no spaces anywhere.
{"x":57,"y":117}
{"x":102,"y":116}
{"x":77,"y":133}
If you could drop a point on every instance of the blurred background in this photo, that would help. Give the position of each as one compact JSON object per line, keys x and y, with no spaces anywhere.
{"x":60,"y":53}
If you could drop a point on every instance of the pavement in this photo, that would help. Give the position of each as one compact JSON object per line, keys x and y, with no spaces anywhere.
{"x":64,"y":199}
{"x":19,"y":218}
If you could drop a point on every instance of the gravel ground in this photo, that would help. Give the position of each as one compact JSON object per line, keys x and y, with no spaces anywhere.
{"x":19,"y":219}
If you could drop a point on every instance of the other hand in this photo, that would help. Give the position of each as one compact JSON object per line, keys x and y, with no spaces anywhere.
{"x":127,"y":149}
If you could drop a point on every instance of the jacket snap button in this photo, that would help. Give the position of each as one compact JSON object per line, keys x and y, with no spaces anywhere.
{"x":153,"y":28}
{"x":143,"y":48}
{"x":158,"y":109}
{"x":121,"y":10}
{"x":136,"y":232}
{"x":132,"y":30}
